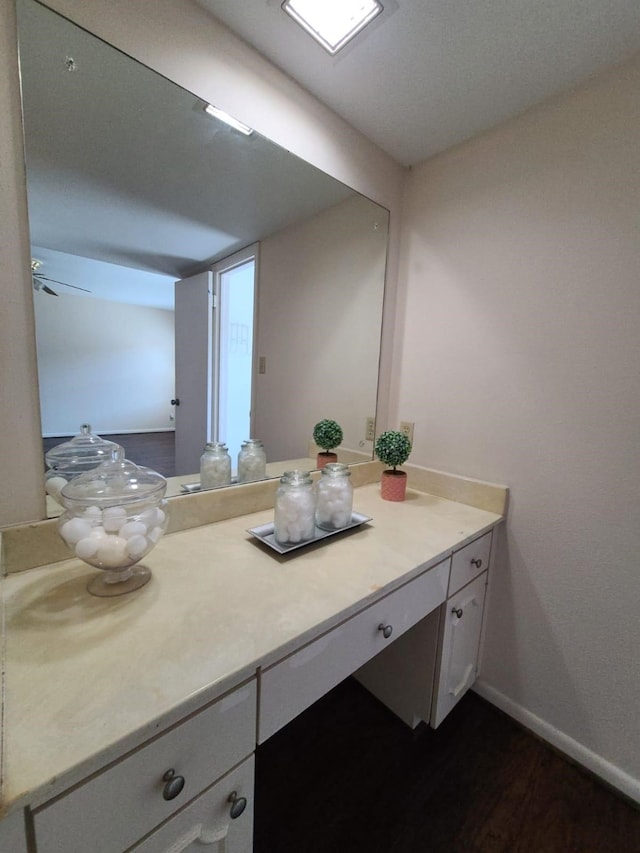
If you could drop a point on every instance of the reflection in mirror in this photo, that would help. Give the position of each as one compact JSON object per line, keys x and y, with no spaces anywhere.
{"x":133,"y":187}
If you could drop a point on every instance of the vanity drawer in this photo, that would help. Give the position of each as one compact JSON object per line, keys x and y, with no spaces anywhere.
{"x":121,"y":804}
{"x":468,"y":562}
{"x":207,"y":821}
{"x":291,"y":685}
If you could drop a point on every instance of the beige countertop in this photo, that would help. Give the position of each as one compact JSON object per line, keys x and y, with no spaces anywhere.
{"x":87,"y":679}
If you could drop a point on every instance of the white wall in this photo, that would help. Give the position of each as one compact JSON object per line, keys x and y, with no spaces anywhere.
{"x":518,"y":358}
{"x":104,"y":363}
{"x":183,"y":42}
{"x":321,"y":298}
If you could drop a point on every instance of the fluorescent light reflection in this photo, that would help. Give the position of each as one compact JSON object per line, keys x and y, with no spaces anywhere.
{"x":227,"y":119}
{"x":332,"y":22}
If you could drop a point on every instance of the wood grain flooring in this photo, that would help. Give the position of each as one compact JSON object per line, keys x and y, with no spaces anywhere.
{"x":347,"y":776}
{"x":155,"y":450}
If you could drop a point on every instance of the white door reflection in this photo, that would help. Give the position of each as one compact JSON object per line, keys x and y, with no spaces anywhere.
{"x":235,"y":286}
{"x":214,"y":333}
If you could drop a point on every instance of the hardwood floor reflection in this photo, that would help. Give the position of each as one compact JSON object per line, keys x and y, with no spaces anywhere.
{"x":347,"y":776}
{"x":155,"y":450}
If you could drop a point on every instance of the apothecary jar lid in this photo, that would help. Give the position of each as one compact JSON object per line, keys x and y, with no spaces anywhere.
{"x":117,"y":481}
{"x":296,"y":478}
{"x":81,"y":453}
{"x":336,"y":469}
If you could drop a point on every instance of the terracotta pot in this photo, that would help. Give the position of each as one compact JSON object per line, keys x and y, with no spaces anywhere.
{"x":393,"y":485}
{"x":324,"y":457}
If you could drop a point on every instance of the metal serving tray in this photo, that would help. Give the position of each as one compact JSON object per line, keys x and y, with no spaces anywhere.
{"x":265,"y":534}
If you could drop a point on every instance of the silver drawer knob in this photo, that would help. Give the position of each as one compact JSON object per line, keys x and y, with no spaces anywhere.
{"x":477,"y":563}
{"x":174,"y":784}
{"x":238,"y":804}
{"x":387,"y":630}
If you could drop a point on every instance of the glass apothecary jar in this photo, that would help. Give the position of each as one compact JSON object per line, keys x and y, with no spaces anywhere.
{"x":334,"y":506}
{"x":114,"y":515}
{"x":295,"y":509}
{"x":215,"y":466}
{"x":252,"y":461}
{"x":82,"y":453}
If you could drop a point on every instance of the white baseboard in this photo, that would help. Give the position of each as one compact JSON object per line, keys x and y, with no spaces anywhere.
{"x":609,"y":773}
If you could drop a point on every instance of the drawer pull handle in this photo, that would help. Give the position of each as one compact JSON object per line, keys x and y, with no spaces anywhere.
{"x":477,"y":563}
{"x":238,"y":804}
{"x":174,"y":785}
{"x":387,"y":630}
{"x":458,"y":611}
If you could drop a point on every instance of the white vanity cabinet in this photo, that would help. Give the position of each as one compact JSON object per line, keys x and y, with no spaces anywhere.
{"x":402,"y":598}
{"x":117,"y":807}
{"x":428,"y":670}
{"x":459,"y":647}
{"x":461,"y":626}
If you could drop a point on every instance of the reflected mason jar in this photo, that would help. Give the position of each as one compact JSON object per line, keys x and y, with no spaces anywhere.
{"x":252,"y":461}
{"x":215,"y":466}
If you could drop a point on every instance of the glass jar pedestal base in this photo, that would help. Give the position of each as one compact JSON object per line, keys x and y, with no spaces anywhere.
{"x":109,"y":584}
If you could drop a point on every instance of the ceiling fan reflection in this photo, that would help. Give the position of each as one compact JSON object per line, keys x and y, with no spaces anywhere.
{"x":40,"y":280}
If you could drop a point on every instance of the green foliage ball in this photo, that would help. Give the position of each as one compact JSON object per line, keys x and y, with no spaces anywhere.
{"x":392,"y":447}
{"x":327,"y":434}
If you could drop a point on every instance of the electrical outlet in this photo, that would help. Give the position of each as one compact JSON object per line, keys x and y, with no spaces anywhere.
{"x":406,"y":428}
{"x":370,"y":429}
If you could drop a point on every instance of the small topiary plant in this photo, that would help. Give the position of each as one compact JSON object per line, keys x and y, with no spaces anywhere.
{"x":327,"y":434}
{"x":393,"y":448}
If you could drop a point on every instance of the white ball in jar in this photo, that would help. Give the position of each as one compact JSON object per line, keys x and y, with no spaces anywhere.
{"x":93,"y":513}
{"x":148,"y":517}
{"x":74,"y":530}
{"x":112,"y":551}
{"x":155,"y":534}
{"x":132,"y":528}
{"x":54,"y":485}
{"x":98,"y":532}
{"x":87,"y":548}
{"x":136,"y":546}
{"x":113,"y":518}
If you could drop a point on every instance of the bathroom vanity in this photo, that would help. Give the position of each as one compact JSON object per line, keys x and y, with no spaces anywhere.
{"x":131,"y":723}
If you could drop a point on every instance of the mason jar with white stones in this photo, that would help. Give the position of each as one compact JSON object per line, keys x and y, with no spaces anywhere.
{"x":334,"y":506}
{"x":295,"y":509}
{"x":252,"y":461}
{"x":215,"y":466}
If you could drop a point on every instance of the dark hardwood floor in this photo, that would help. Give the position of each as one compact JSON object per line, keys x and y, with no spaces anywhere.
{"x":348,"y":777}
{"x":153,"y":449}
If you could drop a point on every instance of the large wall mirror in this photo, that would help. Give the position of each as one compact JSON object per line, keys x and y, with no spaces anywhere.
{"x":132,"y":187}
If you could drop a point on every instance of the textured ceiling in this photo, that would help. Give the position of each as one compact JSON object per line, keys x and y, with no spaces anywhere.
{"x":428,"y":74}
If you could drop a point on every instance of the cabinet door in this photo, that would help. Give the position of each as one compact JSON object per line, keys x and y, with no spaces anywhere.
{"x":460,"y":647}
{"x":219,"y":821}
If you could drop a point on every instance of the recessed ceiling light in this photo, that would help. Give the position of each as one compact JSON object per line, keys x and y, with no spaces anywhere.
{"x":332,"y":22}
{"x":227,"y":119}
